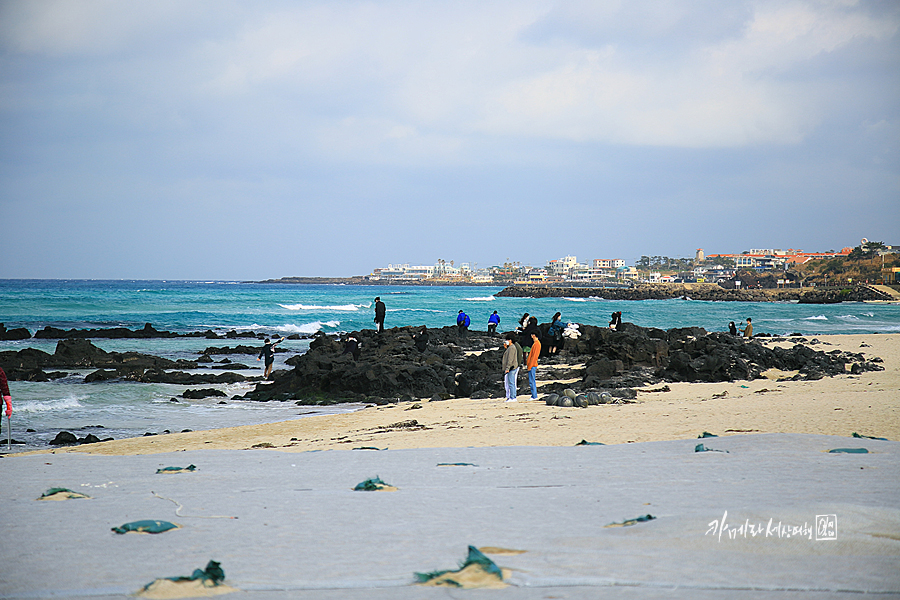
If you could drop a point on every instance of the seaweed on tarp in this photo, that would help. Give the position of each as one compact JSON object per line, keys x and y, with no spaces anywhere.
{"x":869,"y":437}
{"x":187,"y":469}
{"x":146,"y":526}
{"x":587,"y":443}
{"x":457,"y":465}
{"x":634,"y":521}
{"x":702,"y":448}
{"x":213,"y":575}
{"x":373,"y":484}
{"x":58,"y":493}
{"x":848,"y":451}
{"x":475,"y":559}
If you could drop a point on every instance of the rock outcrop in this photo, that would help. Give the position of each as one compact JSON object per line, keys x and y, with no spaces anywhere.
{"x":391,"y":367}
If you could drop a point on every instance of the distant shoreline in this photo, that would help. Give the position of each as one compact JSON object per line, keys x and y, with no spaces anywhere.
{"x":702,"y":291}
{"x":360,"y":280}
{"x":643,"y":291}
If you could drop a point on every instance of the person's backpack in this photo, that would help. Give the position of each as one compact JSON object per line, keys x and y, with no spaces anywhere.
{"x":467,"y":321}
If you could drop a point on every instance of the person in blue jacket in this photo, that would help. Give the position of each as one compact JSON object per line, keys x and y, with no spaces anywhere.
{"x":554,"y":334}
{"x":493,"y":321}
{"x":462,"y":322}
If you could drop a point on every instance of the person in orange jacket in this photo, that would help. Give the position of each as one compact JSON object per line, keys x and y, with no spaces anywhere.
{"x":531,"y":363}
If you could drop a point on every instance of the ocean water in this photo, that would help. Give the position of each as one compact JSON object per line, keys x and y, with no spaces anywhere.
{"x":124,"y":409}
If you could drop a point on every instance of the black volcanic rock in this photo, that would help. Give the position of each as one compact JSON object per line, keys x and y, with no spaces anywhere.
{"x":20,"y":333}
{"x":391,"y":367}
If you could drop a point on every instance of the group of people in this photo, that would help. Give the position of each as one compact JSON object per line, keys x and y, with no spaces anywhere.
{"x":513,"y":358}
{"x":746,"y":330}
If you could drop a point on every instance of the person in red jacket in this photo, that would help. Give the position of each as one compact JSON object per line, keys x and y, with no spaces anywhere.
{"x":4,"y":391}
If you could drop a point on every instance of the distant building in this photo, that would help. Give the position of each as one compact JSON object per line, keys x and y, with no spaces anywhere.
{"x":699,"y":256}
{"x":764,"y":259}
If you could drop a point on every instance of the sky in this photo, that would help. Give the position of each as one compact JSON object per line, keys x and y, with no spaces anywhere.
{"x":252,"y":140}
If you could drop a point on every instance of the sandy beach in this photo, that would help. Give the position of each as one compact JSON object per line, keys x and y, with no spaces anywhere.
{"x":768,"y":510}
{"x":868,"y":404}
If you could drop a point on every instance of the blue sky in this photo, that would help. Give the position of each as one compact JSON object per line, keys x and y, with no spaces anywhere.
{"x":246,"y":140}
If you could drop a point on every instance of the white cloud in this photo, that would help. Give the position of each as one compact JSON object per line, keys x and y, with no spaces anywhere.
{"x":401,"y":81}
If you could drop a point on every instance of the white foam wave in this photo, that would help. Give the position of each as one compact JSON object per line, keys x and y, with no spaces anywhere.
{"x":312,"y":327}
{"x":576,"y":299}
{"x":816,"y":318}
{"x":484,"y":299}
{"x":868,"y":314}
{"x":849,"y":317}
{"x":39,"y":406}
{"x":338,"y":307}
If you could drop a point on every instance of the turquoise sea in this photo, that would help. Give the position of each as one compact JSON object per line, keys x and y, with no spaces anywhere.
{"x":129,"y":409}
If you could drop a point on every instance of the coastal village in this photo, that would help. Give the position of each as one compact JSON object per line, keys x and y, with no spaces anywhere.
{"x":869,"y":262}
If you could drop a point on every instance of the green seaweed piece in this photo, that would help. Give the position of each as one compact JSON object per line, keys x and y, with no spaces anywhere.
{"x":370,"y":448}
{"x":702,"y":448}
{"x":213,"y":573}
{"x":190,"y":468}
{"x":475,"y":556}
{"x":370,"y":485}
{"x":869,"y":437}
{"x":634,"y":521}
{"x":587,"y":443}
{"x":848,"y":451}
{"x":457,"y":465}
{"x":58,"y":490}
{"x":146,"y":526}
{"x":706,"y":434}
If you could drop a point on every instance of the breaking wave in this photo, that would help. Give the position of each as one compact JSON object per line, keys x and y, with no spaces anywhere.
{"x":39,"y":406}
{"x":339,"y":307}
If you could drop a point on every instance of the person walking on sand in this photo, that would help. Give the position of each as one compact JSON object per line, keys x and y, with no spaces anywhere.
{"x":7,"y":398}
{"x":531,"y":363}
{"x":493,"y":321}
{"x":379,"y":313}
{"x":268,"y":351}
{"x":510,"y":366}
{"x":747,"y":329}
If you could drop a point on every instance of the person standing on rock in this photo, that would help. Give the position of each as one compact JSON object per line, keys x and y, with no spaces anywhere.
{"x":732,"y":329}
{"x":462,"y":323}
{"x":493,"y":321}
{"x":4,"y":391}
{"x":747,"y":329}
{"x":379,"y":313}
{"x":268,"y":351}
{"x":616,"y":320}
{"x":510,"y":366}
{"x":531,"y":363}
{"x":421,"y":340}
{"x":557,"y":326}
{"x":352,"y":347}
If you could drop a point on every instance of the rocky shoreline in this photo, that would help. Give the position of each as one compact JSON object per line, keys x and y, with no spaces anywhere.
{"x":700,"y":291}
{"x":391,"y":368}
{"x":147,"y":332}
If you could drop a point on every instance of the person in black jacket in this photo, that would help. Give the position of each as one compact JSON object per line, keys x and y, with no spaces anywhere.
{"x":379,"y":313}
{"x":268,"y":350}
